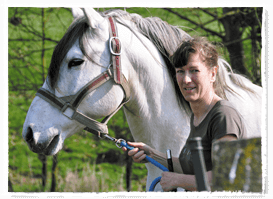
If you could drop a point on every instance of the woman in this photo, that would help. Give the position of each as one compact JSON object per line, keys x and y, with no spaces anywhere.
{"x":213,"y":118}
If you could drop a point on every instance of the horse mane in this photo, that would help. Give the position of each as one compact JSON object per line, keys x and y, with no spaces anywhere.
{"x":155,"y":29}
{"x":164,"y":36}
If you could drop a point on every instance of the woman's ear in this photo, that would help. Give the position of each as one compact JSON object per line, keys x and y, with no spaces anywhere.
{"x":214,"y":73}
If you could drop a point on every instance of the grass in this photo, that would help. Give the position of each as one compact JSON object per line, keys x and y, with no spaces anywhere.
{"x":72,"y":174}
{"x":103,"y":177}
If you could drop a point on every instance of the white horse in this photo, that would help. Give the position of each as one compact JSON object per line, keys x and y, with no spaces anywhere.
{"x":154,"y":113}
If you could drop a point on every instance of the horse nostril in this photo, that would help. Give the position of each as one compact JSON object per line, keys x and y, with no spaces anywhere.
{"x":29,"y":135}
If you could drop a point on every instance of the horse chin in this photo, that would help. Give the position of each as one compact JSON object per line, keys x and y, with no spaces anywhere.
{"x":54,"y":147}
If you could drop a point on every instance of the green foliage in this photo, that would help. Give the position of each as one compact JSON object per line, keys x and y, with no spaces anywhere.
{"x":27,"y":67}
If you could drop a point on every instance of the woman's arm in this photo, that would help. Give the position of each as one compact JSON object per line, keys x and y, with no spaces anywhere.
{"x":170,"y":181}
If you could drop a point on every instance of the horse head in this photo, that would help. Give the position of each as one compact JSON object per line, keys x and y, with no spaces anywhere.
{"x":78,"y":61}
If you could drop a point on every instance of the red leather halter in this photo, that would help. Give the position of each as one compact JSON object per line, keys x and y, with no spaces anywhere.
{"x":68,"y":105}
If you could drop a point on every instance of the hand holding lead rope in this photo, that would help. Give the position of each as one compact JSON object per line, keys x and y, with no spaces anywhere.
{"x":122,"y":143}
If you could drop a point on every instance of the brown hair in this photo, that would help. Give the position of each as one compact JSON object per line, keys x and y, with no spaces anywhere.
{"x":201,"y":45}
{"x":206,"y":50}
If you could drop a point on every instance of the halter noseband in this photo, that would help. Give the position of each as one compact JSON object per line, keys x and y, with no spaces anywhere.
{"x":68,"y":105}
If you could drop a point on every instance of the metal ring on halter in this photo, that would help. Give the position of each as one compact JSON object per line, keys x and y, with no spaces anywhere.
{"x":109,"y":66}
{"x":108,"y":69}
{"x":118,"y":142}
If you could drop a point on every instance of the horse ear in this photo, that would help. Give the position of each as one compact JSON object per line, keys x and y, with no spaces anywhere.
{"x":94,"y":18}
{"x":77,"y":12}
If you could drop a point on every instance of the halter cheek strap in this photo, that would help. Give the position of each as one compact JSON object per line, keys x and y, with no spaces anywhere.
{"x":68,"y":105}
{"x":115,"y":49}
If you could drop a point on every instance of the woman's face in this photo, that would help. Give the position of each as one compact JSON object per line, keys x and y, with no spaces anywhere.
{"x":195,"y":79}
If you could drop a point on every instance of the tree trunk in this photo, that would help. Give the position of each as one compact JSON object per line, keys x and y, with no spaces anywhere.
{"x":10,"y":189}
{"x":128,"y":172}
{"x":43,"y":44}
{"x":54,"y":165}
{"x":256,"y":62}
{"x":43,"y":159}
{"x":232,"y":25}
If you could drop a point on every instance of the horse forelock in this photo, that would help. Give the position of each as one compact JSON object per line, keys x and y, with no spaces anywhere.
{"x":76,"y":31}
{"x":164,"y":36}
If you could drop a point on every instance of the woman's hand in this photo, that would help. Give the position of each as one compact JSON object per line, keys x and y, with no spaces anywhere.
{"x":139,"y":152}
{"x":168,"y":181}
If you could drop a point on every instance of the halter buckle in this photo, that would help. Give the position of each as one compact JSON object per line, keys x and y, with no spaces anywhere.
{"x":68,"y":111}
{"x":111,"y":48}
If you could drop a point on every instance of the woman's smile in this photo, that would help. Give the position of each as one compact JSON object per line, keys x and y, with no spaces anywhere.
{"x":189,"y":89}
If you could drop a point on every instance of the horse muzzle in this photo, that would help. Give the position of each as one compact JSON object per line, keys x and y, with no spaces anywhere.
{"x":47,"y":143}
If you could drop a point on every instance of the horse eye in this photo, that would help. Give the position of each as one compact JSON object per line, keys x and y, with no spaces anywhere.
{"x":75,"y":62}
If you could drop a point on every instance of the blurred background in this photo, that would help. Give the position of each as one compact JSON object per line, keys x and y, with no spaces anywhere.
{"x":86,"y":163}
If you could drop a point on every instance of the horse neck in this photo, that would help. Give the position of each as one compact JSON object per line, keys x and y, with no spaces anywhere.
{"x":153,"y":113}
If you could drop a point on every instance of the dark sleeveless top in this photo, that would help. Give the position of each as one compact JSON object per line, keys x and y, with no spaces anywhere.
{"x":223,"y":119}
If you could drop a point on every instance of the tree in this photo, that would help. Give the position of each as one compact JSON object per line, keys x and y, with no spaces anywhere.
{"x":239,"y":29}
{"x":236,"y":20}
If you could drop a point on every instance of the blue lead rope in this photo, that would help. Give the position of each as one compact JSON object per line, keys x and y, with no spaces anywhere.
{"x":151,"y":160}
